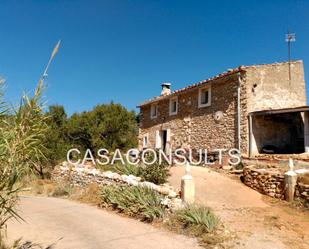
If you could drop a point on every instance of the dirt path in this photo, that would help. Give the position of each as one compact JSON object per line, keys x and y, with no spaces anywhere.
{"x":258,"y":222}
{"x":87,"y":227}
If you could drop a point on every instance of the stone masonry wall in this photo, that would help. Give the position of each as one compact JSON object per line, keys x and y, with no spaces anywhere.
{"x":264,"y":181}
{"x":269,"y":87}
{"x":262,"y":87}
{"x":196,"y":127}
{"x":80,"y":175}
{"x":272,"y":183}
{"x":302,"y":190}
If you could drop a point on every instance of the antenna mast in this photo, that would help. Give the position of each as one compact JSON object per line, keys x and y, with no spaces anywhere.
{"x":290,"y":37}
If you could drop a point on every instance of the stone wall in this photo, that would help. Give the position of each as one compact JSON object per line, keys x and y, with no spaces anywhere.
{"x":192,"y":126}
{"x":270,"y":181}
{"x":262,"y":87}
{"x":81,"y":176}
{"x":302,"y":190}
{"x":269,"y":87}
{"x":264,"y":181}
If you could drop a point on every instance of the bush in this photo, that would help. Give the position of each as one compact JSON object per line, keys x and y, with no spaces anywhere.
{"x":62,"y":189}
{"x":139,"y":202}
{"x":239,"y":166}
{"x":196,"y":219}
{"x":126,"y":169}
{"x":155,"y":172}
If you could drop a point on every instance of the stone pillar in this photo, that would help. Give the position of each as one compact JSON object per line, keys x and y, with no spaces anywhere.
{"x":306,"y":131}
{"x":187,"y":187}
{"x":290,"y":180}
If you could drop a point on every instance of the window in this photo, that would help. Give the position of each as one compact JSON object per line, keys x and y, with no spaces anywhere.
{"x":204,"y":97}
{"x":154,"y":111}
{"x":145,"y":141}
{"x":173,"y":106}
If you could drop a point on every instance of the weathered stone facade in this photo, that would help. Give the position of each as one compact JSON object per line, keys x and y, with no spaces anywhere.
{"x":195,"y":127}
{"x":261,"y":87}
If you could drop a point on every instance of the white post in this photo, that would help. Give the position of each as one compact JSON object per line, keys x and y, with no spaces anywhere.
{"x":290,"y":180}
{"x":187,"y":186}
{"x":306,"y":131}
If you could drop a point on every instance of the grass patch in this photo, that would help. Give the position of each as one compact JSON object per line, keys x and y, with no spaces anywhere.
{"x":50,"y":188}
{"x":89,"y":194}
{"x":202,"y":223}
{"x":195,"y":220}
{"x":18,"y":244}
{"x":142,"y":203}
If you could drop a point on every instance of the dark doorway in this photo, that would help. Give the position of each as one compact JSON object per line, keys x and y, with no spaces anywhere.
{"x":279,"y":133}
{"x":164,"y":139}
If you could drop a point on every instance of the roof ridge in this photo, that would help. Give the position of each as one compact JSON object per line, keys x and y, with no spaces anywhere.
{"x":215,"y":77}
{"x":272,"y":64}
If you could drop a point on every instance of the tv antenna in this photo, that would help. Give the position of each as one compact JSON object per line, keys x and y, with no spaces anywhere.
{"x":290,"y":37}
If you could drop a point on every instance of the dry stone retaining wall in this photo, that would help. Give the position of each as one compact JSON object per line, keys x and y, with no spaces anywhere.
{"x":302,"y":191}
{"x":272,"y":183}
{"x":264,"y":181}
{"x":81,"y":176}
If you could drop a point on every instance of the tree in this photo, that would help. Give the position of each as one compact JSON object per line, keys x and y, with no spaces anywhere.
{"x":107,"y":126}
{"x":56,"y":140}
{"x":113,"y":127}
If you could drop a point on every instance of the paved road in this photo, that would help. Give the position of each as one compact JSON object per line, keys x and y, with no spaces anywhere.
{"x":87,"y":227}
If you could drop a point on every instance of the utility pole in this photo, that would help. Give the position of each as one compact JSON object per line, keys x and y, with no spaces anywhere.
{"x":289,"y":37}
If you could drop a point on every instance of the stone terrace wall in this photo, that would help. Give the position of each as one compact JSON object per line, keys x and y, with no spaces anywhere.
{"x":81,"y":176}
{"x":302,"y":191}
{"x":264,"y":181}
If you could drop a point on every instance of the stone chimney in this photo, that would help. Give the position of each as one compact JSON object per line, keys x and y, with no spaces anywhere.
{"x":166,"y":89}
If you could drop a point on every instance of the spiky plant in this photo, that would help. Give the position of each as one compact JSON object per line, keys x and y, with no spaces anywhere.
{"x":140,"y":202}
{"x":125,"y":169}
{"x":196,"y":219}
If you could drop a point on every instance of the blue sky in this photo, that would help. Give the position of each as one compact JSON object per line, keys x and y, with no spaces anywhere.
{"x":122,"y":50}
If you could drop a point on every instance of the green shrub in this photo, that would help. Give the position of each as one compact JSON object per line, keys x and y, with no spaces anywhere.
{"x":126,"y":169}
{"x":61,"y":189}
{"x":239,"y":166}
{"x":139,"y":202}
{"x":155,"y":172}
{"x":196,"y":219}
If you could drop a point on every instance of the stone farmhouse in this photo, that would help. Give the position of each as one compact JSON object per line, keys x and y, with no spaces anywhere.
{"x":257,"y":109}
